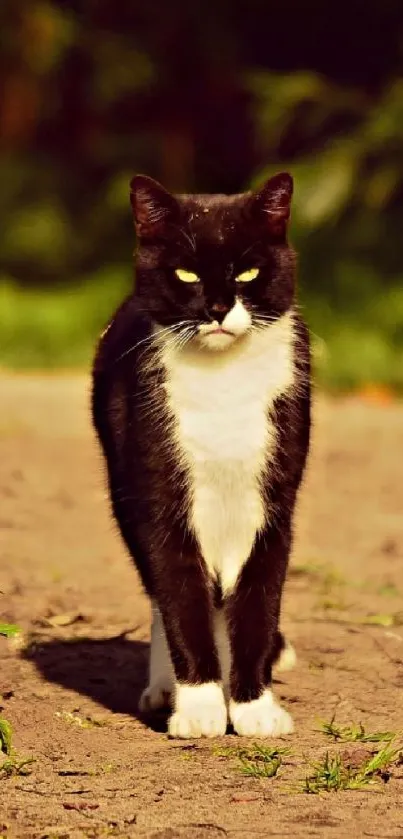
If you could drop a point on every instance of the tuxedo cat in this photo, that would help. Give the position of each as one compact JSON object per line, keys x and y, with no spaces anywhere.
{"x":201,"y":401}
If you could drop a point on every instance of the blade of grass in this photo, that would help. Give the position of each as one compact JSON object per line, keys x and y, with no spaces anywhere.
{"x":354,"y":733}
{"x":14,"y":767}
{"x":5,"y":736}
{"x":332,"y":774}
{"x":256,"y":761}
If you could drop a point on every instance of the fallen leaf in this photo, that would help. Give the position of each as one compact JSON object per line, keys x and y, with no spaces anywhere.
{"x":64,"y":620}
{"x":9,"y":630}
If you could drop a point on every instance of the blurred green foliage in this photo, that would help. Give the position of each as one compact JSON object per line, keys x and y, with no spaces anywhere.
{"x":208,"y":97}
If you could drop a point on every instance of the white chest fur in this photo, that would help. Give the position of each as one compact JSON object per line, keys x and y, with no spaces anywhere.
{"x":221,"y":403}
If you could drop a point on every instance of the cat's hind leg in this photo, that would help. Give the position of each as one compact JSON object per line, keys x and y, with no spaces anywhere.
{"x":198,"y":709}
{"x":222,"y":642}
{"x":159,"y":692}
{"x":285,"y":657}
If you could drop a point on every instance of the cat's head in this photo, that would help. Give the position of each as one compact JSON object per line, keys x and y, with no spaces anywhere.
{"x":214,"y":267}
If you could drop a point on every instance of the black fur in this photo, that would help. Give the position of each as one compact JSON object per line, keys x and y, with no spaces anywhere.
{"x":217,"y":237}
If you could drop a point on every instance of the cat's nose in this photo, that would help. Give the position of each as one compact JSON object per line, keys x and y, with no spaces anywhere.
{"x":218,"y":311}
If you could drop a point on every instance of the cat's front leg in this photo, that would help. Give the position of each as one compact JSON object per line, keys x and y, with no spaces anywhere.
{"x":253,"y":614}
{"x":185,"y":604}
{"x":200,"y":711}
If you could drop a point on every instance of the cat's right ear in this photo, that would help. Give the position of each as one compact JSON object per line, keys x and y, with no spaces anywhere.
{"x":273,"y":202}
{"x":154,"y":208}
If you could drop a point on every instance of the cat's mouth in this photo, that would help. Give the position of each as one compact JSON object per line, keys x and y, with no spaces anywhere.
{"x":219,"y":330}
{"x":215,"y":337}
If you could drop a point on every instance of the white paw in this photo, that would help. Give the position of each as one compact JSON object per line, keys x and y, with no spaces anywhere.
{"x":200,"y":711}
{"x":158,"y":695}
{"x":262,"y":717}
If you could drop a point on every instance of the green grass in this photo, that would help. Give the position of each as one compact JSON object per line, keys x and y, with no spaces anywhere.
{"x":358,"y":341}
{"x":257,"y":761}
{"x":354,"y":733}
{"x":58,"y":327}
{"x":355,"y":356}
{"x":334,"y":774}
{"x":12,"y":765}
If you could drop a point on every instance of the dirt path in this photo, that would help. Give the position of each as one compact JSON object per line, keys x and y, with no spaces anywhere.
{"x":70,"y":683}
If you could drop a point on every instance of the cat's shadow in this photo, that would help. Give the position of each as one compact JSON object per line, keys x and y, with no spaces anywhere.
{"x":112,"y":671}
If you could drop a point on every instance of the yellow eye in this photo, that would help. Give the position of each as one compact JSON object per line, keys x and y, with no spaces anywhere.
{"x":187,"y":276}
{"x":247,"y":276}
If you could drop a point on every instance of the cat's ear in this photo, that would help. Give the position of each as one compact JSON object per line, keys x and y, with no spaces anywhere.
{"x":273,"y":202}
{"x":154,"y":208}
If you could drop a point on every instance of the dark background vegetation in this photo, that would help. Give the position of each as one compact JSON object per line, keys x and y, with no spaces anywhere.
{"x":206,"y":95}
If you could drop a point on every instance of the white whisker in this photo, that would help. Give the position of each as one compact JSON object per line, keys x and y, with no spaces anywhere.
{"x":153,"y":335}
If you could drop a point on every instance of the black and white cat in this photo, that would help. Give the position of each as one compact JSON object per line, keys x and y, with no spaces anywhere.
{"x":201,"y":400}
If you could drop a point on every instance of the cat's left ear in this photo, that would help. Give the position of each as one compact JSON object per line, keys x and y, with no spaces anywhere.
{"x":274,"y":201}
{"x":154,"y":208}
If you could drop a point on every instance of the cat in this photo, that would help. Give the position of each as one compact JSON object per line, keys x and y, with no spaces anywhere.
{"x":201,"y":402}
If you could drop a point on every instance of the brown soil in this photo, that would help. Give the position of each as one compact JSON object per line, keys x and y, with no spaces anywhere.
{"x":70,"y":683}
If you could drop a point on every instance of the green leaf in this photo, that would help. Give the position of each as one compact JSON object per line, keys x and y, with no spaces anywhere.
{"x":9,"y":630}
{"x":5,"y":736}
